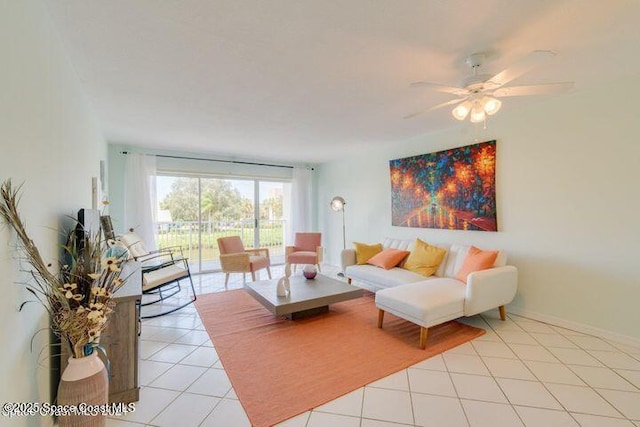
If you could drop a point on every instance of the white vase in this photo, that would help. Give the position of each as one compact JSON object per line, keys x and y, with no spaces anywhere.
{"x":281,"y":289}
{"x":84,"y":380}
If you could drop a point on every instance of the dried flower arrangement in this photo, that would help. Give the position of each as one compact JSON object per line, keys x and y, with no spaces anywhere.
{"x":78,"y":297}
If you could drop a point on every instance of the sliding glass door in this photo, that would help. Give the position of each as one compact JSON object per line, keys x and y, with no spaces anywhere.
{"x":194,"y":212}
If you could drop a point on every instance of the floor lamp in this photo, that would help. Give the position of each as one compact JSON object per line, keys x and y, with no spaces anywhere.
{"x":337,"y":204}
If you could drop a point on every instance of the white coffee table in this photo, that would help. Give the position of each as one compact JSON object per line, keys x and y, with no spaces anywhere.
{"x":307,"y":297}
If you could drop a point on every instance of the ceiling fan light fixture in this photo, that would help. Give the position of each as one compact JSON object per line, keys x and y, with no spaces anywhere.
{"x":477,"y":114}
{"x":491,"y":105}
{"x":462,"y":110}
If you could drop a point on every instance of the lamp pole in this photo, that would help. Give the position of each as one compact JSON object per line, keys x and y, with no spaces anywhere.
{"x":338,"y":204}
{"x":344,"y":239}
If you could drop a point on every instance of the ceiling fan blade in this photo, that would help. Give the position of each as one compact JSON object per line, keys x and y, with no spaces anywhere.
{"x":444,"y":104}
{"x":440,"y":88}
{"x":532,"y":60}
{"x":542,"y":89}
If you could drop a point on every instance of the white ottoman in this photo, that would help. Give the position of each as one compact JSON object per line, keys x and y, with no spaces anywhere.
{"x":427,"y":303}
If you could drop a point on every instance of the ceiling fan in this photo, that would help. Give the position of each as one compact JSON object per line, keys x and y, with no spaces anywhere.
{"x":478,"y":96}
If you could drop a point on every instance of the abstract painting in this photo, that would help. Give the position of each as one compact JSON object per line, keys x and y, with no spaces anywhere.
{"x":453,"y":189}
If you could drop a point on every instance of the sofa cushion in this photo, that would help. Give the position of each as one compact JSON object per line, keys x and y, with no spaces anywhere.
{"x":388,"y":258}
{"x":364,"y":251}
{"x":455,"y":258}
{"x":501,"y":259}
{"x":424,"y":259}
{"x":425,"y":303}
{"x":476,"y":260}
{"x":303,"y":257}
{"x":381,"y":278}
{"x":402,"y":244}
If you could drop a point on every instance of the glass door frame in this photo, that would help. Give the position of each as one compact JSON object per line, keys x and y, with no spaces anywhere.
{"x":256,"y":206}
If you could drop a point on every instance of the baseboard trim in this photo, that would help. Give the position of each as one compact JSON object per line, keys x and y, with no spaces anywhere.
{"x":575,"y":326}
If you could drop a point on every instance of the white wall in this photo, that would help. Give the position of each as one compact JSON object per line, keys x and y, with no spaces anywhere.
{"x":50,"y":142}
{"x":568,"y":170}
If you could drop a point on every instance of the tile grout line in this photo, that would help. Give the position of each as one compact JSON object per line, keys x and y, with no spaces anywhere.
{"x":413,"y":412}
{"x":532,"y":373}
{"x":566,"y":366}
{"x":455,"y":389}
{"x":604,"y":365}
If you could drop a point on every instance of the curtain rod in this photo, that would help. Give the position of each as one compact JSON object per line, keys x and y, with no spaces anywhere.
{"x":216,"y":160}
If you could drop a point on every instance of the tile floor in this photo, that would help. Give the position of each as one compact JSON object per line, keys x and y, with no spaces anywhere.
{"x":520,"y":373}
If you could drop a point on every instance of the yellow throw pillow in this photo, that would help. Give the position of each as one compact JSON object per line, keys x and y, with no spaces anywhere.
{"x":424,"y":258}
{"x":365,"y":252}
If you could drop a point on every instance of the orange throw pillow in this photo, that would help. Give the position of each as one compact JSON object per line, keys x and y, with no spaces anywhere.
{"x":476,"y":260}
{"x":388,"y":258}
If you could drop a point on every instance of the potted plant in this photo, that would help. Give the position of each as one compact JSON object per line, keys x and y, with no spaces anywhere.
{"x":78,"y":296}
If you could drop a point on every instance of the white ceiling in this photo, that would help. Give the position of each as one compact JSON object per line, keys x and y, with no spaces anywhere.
{"x":307,"y":80}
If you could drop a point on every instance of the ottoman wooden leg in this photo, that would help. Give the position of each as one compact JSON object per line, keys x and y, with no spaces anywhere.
{"x":423,"y":337}
{"x":380,"y":317}
{"x":503,"y":315}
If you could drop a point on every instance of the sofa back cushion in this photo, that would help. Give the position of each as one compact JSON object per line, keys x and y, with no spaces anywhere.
{"x":452,"y":262}
{"x":402,"y":244}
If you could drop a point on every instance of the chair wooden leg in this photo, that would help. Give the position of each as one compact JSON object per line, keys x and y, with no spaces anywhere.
{"x":295,"y":267}
{"x":349,"y":280}
{"x":253,"y":276}
{"x":244,"y":278}
{"x":269,"y":272}
{"x":319,"y":270}
{"x":380,"y":317}
{"x":226,"y":279}
{"x":503,"y":315}
{"x":423,"y":337}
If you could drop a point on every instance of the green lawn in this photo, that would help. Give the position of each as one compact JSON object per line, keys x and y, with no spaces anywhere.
{"x":186,"y":236}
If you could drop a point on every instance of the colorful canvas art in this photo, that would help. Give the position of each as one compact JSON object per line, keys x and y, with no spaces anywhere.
{"x":452,"y":189}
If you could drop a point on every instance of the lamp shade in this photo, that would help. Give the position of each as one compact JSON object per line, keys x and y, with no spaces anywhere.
{"x":462,"y":110}
{"x":491,"y":105}
{"x":477,"y":114}
{"x":337,"y":204}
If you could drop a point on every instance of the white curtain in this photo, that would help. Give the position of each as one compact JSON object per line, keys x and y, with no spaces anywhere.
{"x":140,"y":197}
{"x":300,"y":216}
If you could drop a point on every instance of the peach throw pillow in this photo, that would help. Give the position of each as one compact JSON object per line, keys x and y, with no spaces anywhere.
{"x":476,"y":260}
{"x":424,"y":258}
{"x":388,"y":258}
{"x":364,"y":252}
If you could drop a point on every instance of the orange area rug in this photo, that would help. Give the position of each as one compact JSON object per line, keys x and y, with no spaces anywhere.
{"x":280,"y":368}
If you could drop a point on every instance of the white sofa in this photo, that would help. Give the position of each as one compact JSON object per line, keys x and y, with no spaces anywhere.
{"x":429,"y":301}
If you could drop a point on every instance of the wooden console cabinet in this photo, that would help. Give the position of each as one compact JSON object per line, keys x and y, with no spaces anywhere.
{"x":121,"y":339}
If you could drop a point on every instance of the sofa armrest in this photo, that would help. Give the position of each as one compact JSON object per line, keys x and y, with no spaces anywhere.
{"x":488,"y":289}
{"x":347,"y":258}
